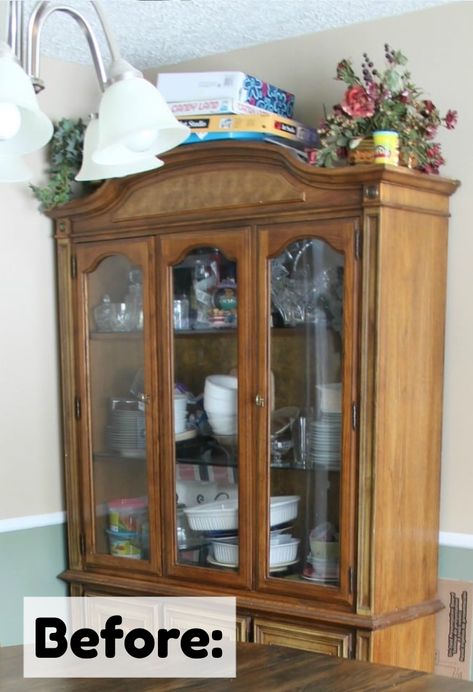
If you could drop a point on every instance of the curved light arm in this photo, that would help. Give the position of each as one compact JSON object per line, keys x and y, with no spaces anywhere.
{"x":39,"y":15}
{"x":109,"y":35}
{"x":15,"y":28}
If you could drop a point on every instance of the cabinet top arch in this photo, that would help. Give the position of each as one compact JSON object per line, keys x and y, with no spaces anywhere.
{"x":234,"y":180}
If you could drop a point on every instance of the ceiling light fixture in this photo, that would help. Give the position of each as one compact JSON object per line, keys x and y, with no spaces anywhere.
{"x":134,"y":124}
{"x":90,"y":170}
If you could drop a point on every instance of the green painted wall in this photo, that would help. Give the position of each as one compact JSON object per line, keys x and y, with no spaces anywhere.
{"x":30,"y":562}
{"x":455,"y":563}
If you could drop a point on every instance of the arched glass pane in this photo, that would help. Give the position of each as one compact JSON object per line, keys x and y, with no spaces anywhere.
{"x":306,"y":347}
{"x":117,"y":410}
{"x":206,"y":409}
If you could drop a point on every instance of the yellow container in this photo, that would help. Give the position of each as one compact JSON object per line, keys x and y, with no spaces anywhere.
{"x":386,"y":147}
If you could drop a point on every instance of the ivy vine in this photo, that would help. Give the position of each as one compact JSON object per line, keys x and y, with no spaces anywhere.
{"x":65,"y":160}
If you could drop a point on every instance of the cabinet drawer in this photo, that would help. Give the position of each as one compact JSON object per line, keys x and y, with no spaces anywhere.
{"x":242,"y":623}
{"x":320,"y":640}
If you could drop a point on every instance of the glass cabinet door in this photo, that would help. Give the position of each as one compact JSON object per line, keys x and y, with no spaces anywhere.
{"x":309,"y":432}
{"x":114,"y":421}
{"x":207,"y":293}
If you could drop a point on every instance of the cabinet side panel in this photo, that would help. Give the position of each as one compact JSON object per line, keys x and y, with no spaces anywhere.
{"x":408,"y":400}
{"x":408,"y":645}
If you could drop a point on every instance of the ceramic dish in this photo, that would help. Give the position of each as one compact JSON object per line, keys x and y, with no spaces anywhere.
{"x":278,"y":568}
{"x":223,"y":515}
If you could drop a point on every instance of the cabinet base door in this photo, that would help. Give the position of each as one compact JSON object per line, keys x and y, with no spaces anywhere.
{"x":316,"y":639}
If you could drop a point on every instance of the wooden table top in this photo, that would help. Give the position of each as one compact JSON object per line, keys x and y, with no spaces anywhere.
{"x":260,"y":668}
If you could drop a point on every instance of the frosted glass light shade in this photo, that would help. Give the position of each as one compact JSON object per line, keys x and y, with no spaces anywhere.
{"x":15,"y":88}
{"x":96,"y":171}
{"x":135,"y":123}
{"x":10,"y":120}
{"x":13,"y":169}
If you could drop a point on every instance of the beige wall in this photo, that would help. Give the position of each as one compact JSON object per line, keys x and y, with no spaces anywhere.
{"x":438,"y":45}
{"x":30,"y":453}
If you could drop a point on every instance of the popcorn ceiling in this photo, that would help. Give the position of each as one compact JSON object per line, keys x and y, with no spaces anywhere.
{"x":154,"y":33}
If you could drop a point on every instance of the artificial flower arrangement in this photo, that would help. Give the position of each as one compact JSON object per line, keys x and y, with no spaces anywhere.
{"x":385,"y":100}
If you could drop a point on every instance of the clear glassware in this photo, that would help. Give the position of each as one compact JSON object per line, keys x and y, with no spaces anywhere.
{"x":279,"y":450}
{"x":103,"y":314}
{"x":204,"y":280}
{"x":181,"y":312}
{"x":134,"y":300}
{"x":120,"y":317}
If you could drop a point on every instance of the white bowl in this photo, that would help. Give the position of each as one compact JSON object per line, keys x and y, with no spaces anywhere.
{"x":282,"y":549}
{"x":223,"y":516}
{"x":225,"y":552}
{"x":221,"y":418}
{"x":283,"y":509}
{"x":325,"y":550}
{"x":223,"y":425}
{"x":221,"y":387}
{"x":213,"y":516}
{"x":327,"y":569}
{"x":226,"y":407}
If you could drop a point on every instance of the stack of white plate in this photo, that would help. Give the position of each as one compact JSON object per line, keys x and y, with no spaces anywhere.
{"x":126,"y":432}
{"x":325,"y":441}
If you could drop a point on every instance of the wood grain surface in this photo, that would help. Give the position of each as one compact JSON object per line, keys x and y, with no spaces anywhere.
{"x":260,"y":668}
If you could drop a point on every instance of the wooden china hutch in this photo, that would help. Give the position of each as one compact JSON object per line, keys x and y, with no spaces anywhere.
{"x":314,"y":300}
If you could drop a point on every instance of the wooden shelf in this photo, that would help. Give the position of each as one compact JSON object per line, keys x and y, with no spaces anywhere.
{"x":116,"y":336}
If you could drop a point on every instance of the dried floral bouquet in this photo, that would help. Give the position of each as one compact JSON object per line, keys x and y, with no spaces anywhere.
{"x":386,"y":100}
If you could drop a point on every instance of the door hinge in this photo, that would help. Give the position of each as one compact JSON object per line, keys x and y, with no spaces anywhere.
{"x":82,"y":544}
{"x":73,"y":266}
{"x":354,"y":415}
{"x":357,"y":240}
{"x":351,"y":580}
{"x":77,"y":408}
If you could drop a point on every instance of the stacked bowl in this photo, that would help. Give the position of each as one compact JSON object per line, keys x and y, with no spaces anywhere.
{"x":283,"y":549}
{"x":323,"y":561}
{"x":221,"y":403}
